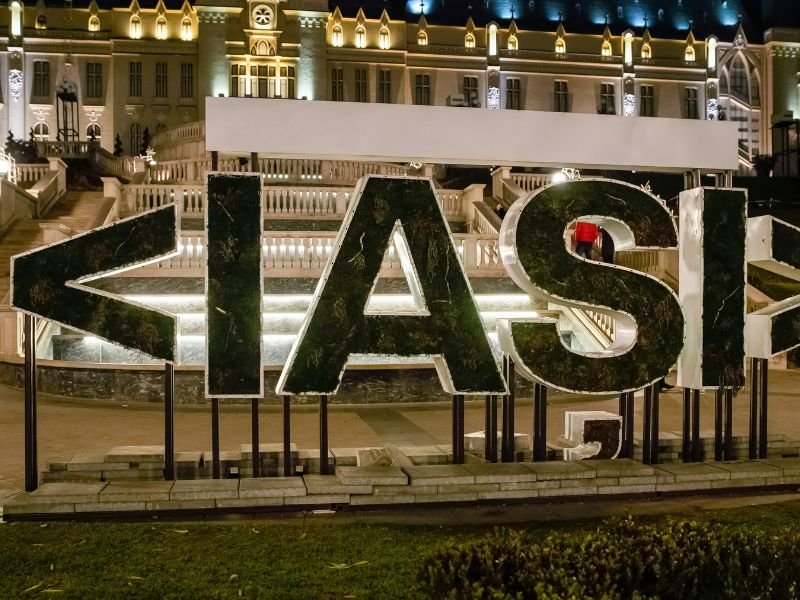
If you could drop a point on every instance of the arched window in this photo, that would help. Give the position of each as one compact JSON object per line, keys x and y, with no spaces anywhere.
{"x":739,"y":87}
{"x":383,"y":38}
{"x":422,"y":38}
{"x":186,"y":29}
{"x":561,"y":46}
{"x":605,"y":50}
{"x":469,"y":41}
{"x":41,"y":132}
{"x":361,"y":37}
{"x":161,"y":28}
{"x":492,"y":39}
{"x":136,"y":138}
{"x":261,"y":48}
{"x":16,"y":17}
{"x":337,"y":38}
{"x":135,"y":27}
{"x":513,"y":43}
{"x":647,"y":52}
{"x":41,"y":22}
{"x":688,"y":56}
{"x":93,"y":132}
{"x":94,"y":23}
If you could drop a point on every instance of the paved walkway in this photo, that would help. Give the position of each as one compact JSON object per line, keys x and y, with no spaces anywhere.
{"x":68,"y":427}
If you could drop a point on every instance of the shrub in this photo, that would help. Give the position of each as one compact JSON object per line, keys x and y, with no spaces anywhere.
{"x":624,"y":558}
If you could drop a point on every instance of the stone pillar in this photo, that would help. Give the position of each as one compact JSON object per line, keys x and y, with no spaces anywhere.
{"x":212,"y":62}
{"x":16,"y":92}
{"x":311,"y":74}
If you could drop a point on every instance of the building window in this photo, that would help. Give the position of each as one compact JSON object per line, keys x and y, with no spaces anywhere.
{"x":187,"y":80}
{"x":161,"y":28}
{"x":135,"y":84}
{"x":383,"y":38}
{"x":492,"y":40}
{"x":93,"y":132}
{"x":94,"y":80}
{"x":281,"y":82}
{"x":361,"y":37}
{"x":135,"y":27}
{"x":16,"y":18}
{"x":337,"y":84}
{"x":238,"y":81}
{"x":186,"y":30}
{"x":690,"y":103}
{"x":513,"y":43}
{"x":385,"y":86}
{"x":470,"y":91}
{"x":41,"y":78}
{"x":561,"y":96}
{"x":136,"y":139}
{"x":41,"y":22}
{"x":688,"y":56}
{"x":607,"y":100}
{"x":94,"y":23}
{"x":469,"y":41}
{"x":361,"y":86}
{"x":561,"y":46}
{"x":422,"y":38}
{"x":422,"y":89}
{"x":161,"y":80}
{"x":41,"y":132}
{"x":647,"y":106}
{"x":512,"y":93}
{"x":259,"y":76}
{"x":337,"y":37}
{"x":605,"y":49}
{"x":647,"y":53}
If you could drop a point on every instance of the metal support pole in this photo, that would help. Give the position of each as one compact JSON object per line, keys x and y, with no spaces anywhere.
{"x":539,"y":421}
{"x":629,"y":426}
{"x":215,"y":463}
{"x":254,"y":162}
{"x":654,"y":436}
{"x":255,"y":436}
{"x":458,"y":429}
{"x":718,"y":424}
{"x":493,"y":427}
{"x":214,"y":160}
{"x":623,"y":412}
{"x":762,"y":416}
{"x":508,"y":414}
{"x":729,"y":424}
{"x":324,"y":467}
{"x":169,"y":421}
{"x":31,"y":444}
{"x":697,"y":443}
{"x":287,"y":437}
{"x":754,"y":389}
{"x":686,"y":447}
{"x":647,"y":425}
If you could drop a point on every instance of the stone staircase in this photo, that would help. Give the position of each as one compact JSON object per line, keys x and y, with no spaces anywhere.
{"x":76,"y":210}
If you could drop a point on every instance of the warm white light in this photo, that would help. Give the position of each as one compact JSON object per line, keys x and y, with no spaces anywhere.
{"x":361,"y":37}
{"x":4,"y":166}
{"x":561,"y":46}
{"x":559,"y":177}
{"x":186,"y":29}
{"x":383,"y":38}
{"x":606,"y":48}
{"x":469,"y":41}
{"x":492,"y":40}
{"x":90,"y":340}
{"x":628,"y":39}
{"x":16,"y":18}
{"x":337,"y":37}
{"x":161,"y":28}
{"x":689,"y":54}
{"x":712,"y":53}
{"x":513,"y":43}
{"x":647,"y":52}
{"x":135,"y":28}
{"x":94,"y":23}
{"x":422,"y":38}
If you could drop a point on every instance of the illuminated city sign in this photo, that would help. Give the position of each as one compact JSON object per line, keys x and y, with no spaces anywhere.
{"x":703,"y":328}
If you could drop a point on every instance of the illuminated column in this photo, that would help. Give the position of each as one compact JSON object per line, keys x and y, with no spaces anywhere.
{"x":212,"y":60}
{"x":311,"y":66}
{"x":712,"y":80}
{"x":628,"y":76}
{"x":493,"y":87}
{"x":16,"y":92}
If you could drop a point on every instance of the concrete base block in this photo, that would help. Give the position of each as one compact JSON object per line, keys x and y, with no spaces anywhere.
{"x":466,"y":489}
{"x":136,"y":491}
{"x":530,"y":485}
{"x":645,"y":488}
{"x":685,"y":486}
{"x":574,"y":491}
{"x":109,"y":507}
{"x":371,"y":476}
{"x":181,"y":504}
{"x":205,"y":489}
{"x":14,"y":508}
{"x":560,"y":470}
{"x":741,"y":482}
{"x":500,"y":473}
{"x":431,"y":498}
{"x":248,"y":502}
{"x":402,"y":490}
{"x":695,"y":472}
{"x":278,"y":487}
{"x":317,"y":499}
{"x":330,"y":484}
{"x":379,"y":500}
{"x":508,"y":495}
{"x":61,"y":493}
{"x":439,"y":475}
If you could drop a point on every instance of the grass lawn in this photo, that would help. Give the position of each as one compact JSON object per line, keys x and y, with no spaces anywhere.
{"x":251,"y":558}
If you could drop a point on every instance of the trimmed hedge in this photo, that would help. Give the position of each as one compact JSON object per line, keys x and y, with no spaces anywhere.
{"x":624,"y":558}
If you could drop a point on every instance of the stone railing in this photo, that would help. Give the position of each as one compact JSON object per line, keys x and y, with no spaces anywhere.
{"x":72,"y":149}
{"x":531,"y":181}
{"x":123,"y":167}
{"x":606,"y":324}
{"x":176,"y":135}
{"x":306,"y":253}
{"x":31,"y":172}
{"x":278,"y":201}
{"x":15,"y":203}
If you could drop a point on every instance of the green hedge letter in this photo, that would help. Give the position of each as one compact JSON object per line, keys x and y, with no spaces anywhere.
{"x":449,"y":328}
{"x":649,"y":320}
{"x":234,"y":286}
{"x":47,"y":282}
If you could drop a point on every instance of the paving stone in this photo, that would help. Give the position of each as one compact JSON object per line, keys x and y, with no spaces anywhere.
{"x":371,"y":476}
{"x":18,"y":508}
{"x":272,"y":487}
{"x":742,"y":482}
{"x":439,"y":475}
{"x":204,"y":489}
{"x":330,"y":484}
{"x":62,"y":493}
{"x":684,"y":486}
{"x":136,"y":491}
{"x":383,"y":499}
{"x":749,"y":469}
{"x":86,"y":507}
{"x":138,"y":454}
{"x":645,"y":488}
{"x":180,"y":504}
{"x":790,"y":466}
{"x":466,"y":488}
{"x":647,"y":480}
{"x":426,"y":455}
{"x":248,"y":502}
{"x":345,"y":457}
{"x":595,"y":482}
{"x":75,"y":476}
{"x":500,"y":473}
{"x":530,"y":485}
{"x":619,"y":467}
{"x":148,"y":475}
{"x":431,"y":498}
{"x":508,"y":495}
{"x":574,"y":491}
{"x":320,"y":499}
{"x":560,"y":470}
{"x":402,"y":490}
{"x":694,"y":472}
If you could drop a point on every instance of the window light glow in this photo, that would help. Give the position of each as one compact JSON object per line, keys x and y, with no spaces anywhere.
{"x":628,"y":43}
{"x":711,"y":49}
{"x":94,"y":23}
{"x":383,"y":38}
{"x":492,"y":40}
{"x":688,"y":56}
{"x":422,"y":38}
{"x":186,"y":29}
{"x":561,"y":46}
{"x":16,"y":18}
{"x":361,"y":37}
{"x":337,"y":37}
{"x":647,"y":51}
{"x":513,"y":43}
{"x":161,"y":28}
{"x":135,"y":28}
{"x":469,"y":41}
{"x":605,"y":50}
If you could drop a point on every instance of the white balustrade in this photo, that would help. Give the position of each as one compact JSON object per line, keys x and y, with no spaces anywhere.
{"x":139,"y":198}
{"x":531,"y":181}
{"x":31,"y":172}
{"x":305,"y":201}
